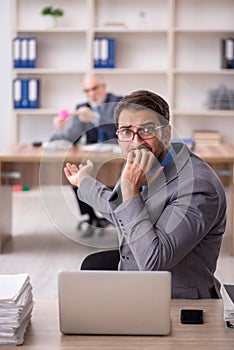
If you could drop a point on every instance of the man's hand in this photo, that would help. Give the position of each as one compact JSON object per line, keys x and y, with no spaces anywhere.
{"x":136,"y":172}
{"x":58,"y":122}
{"x":76,"y":175}
{"x":85,"y":114}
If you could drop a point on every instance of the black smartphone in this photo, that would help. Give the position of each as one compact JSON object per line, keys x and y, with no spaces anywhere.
{"x":188,"y":316}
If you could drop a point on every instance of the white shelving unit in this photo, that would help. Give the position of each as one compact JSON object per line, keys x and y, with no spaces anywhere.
{"x":174,"y":51}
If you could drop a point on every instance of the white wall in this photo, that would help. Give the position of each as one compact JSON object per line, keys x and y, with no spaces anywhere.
{"x":5,"y":75}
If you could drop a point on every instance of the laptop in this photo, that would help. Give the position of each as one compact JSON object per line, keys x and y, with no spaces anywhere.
{"x":114,"y":302}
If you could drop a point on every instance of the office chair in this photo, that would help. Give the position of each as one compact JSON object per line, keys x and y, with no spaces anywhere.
{"x":104,"y":260}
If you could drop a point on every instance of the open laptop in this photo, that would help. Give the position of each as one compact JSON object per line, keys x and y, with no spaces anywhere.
{"x":114,"y":302}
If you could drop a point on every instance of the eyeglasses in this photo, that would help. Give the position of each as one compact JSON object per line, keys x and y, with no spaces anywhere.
{"x":94,"y":88}
{"x":126,"y":135}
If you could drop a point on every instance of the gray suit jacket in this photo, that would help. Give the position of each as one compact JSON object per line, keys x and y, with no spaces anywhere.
{"x":176,"y":224}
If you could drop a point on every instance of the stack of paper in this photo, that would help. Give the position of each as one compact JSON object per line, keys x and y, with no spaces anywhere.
{"x":16,"y":304}
{"x":227,"y":292}
{"x":207,"y":137}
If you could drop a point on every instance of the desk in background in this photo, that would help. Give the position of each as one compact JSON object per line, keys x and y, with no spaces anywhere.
{"x":43,"y":333}
{"x":47,"y":168}
{"x":221,"y":158}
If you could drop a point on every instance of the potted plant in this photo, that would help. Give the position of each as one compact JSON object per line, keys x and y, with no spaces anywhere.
{"x":52,"y":14}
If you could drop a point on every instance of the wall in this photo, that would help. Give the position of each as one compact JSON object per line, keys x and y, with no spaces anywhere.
{"x":5,"y":74}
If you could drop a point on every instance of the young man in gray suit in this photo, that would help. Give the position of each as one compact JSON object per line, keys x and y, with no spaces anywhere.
{"x":169,"y":206}
{"x":93,"y":119}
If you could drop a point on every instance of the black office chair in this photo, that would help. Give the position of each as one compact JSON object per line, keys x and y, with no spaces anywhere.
{"x":104,"y":260}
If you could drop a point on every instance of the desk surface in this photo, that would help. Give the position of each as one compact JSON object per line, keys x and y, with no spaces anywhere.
{"x":43,"y":333}
{"x":26,"y":152}
{"x":216,"y":153}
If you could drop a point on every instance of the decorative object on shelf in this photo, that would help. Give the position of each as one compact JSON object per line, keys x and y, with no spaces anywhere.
{"x":143,"y":21}
{"x":52,"y":15}
{"x":115,"y":25}
{"x":221,"y":98}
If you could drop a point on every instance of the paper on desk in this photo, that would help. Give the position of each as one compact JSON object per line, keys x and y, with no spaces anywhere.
{"x":11,"y":286}
{"x":101,"y":147}
{"x":16,"y":304}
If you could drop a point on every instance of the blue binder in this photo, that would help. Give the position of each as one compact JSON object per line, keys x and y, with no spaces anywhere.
{"x":24,"y":52}
{"x":26,"y":93}
{"x":111,"y":53}
{"x":104,"y":52}
{"x":33,"y":93}
{"x":227,"y":53}
{"x":17,"y":93}
{"x":17,"y":52}
{"x":32,"y":52}
{"x":96,"y":54}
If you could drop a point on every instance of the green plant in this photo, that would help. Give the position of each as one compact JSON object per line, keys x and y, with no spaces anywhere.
{"x":52,"y":12}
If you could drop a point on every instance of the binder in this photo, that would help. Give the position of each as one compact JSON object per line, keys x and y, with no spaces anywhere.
{"x":33,"y":93}
{"x":111,"y":53}
{"x":32,"y":52}
{"x":96,"y":54}
{"x":24,"y":52}
{"x":17,"y":93}
{"x":227,"y":53}
{"x":20,"y":93}
{"x":26,"y":93}
{"x":16,"y":52}
{"x":104,"y":53}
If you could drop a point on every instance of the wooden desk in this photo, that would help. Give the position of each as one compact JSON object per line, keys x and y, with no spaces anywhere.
{"x":47,"y":168}
{"x":222,"y":157}
{"x":43,"y":333}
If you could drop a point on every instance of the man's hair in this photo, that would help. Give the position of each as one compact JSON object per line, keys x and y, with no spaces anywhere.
{"x":141,"y":100}
{"x":93,"y":75}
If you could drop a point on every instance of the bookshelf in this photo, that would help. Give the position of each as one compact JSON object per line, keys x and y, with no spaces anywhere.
{"x":174,"y":50}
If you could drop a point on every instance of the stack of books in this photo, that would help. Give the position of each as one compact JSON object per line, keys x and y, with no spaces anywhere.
{"x":207,"y":137}
{"x":227,"y":292}
{"x":16,"y":305}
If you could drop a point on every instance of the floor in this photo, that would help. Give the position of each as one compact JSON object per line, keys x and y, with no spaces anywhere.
{"x":45,"y":239}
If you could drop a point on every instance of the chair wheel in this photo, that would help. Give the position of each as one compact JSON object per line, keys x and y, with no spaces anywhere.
{"x":81,"y":223}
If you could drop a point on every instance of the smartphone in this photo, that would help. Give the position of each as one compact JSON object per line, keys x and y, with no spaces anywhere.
{"x":190,"y":316}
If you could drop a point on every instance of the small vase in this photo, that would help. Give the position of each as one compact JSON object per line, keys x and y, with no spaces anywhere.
{"x":50,"y":21}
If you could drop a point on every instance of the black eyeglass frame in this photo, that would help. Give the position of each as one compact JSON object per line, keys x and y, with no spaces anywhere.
{"x":137,"y":133}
